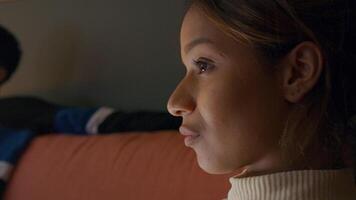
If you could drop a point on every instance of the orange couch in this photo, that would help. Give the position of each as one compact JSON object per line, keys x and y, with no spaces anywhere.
{"x":132,"y":166}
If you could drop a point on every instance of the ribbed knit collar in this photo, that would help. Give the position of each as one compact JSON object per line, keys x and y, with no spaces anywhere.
{"x":296,"y":185}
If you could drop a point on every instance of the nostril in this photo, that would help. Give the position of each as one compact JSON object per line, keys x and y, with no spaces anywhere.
{"x":176,"y":112}
{"x":175,"y":108}
{"x":180,"y":108}
{"x":182,"y":112}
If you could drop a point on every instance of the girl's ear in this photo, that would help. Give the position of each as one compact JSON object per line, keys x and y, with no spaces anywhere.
{"x":301,"y":69}
{"x":3,"y":74}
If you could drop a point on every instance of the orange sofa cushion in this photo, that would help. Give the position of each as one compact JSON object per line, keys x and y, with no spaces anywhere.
{"x":130,"y":166}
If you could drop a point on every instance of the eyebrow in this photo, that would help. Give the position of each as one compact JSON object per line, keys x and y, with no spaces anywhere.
{"x":196,"y":42}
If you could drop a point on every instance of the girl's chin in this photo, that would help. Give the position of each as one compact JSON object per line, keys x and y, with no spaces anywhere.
{"x":212,"y":168}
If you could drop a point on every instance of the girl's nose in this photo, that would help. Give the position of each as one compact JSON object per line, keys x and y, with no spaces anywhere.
{"x":181,"y":101}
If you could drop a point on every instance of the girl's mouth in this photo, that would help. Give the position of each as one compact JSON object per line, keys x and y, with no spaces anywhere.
{"x":191,"y":137}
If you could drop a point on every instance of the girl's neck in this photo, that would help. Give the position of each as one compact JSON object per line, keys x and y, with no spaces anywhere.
{"x":313,"y":159}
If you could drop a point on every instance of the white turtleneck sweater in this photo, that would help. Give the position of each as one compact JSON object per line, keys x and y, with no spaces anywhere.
{"x":296,"y":185}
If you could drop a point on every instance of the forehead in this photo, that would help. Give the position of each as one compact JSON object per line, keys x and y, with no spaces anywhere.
{"x":196,"y":25}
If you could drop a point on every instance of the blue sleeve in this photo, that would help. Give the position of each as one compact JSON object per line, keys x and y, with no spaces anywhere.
{"x":13,"y":143}
{"x":73,"y":120}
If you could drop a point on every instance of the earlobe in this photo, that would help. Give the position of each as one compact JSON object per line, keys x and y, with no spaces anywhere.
{"x":301,"y":71}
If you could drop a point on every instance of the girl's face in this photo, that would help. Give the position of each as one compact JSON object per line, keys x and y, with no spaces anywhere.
{"x":231,"y":104}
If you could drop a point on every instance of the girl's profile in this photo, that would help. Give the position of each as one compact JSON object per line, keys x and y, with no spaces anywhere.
{"x":269,"y":95}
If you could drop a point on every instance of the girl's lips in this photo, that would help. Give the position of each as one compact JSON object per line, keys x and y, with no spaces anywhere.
{"x":190,"y":136}
{"x":189,"y":141}
{"x":187,"y":132}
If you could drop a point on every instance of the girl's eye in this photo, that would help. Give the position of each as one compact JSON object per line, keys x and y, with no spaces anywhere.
{"x":203,"y":65}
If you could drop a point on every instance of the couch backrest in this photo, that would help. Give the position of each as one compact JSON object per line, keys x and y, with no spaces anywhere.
{"x":132,"y":166}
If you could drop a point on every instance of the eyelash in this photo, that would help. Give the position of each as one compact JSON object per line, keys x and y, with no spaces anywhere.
{"x":203,"y":65}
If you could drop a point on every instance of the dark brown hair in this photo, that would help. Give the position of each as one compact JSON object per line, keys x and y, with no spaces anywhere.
{"x":274,"y":27}
{"x":10,"y":53}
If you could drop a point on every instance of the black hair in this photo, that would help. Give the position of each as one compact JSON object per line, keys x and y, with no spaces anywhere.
{"x":10,"y":53}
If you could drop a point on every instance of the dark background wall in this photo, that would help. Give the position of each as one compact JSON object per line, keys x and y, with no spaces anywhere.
{"x":119,"y":53}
